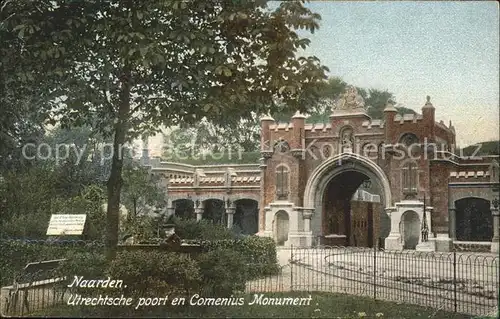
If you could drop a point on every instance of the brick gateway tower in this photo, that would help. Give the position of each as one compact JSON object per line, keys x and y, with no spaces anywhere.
{"x":358,"y":181}
{"x":353,"y":181}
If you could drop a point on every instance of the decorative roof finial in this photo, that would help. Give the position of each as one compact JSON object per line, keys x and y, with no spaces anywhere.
{"x":428,"y":104}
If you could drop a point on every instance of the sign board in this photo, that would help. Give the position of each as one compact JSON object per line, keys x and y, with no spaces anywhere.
{"x":66,"y":224}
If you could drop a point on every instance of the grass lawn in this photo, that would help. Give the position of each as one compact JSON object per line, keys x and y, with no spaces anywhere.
{"x":322,"y":305}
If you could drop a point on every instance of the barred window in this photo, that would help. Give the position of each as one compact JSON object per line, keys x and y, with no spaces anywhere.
{"x":410,"y":178}
{"x":282,"y":175}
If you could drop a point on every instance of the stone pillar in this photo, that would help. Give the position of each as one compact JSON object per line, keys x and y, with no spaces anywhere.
{"x":452,"y":222}
{"x":170,"y":208}
{"x":230,"y":210}
{"x":198,"y":210}
{"x":306,"y":215}
{"x":394,"y":240}
{"x":495,"y":239}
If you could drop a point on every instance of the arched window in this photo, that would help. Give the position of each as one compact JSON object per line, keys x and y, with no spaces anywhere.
{"x":282,"y":176}
{"x":409,"y":176}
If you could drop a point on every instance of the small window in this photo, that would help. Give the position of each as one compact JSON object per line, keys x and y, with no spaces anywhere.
{"x":282,"y":176}
{"x":410,"y":174}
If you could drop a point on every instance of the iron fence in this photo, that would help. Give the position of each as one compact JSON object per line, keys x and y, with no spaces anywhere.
{"x":462,"y":282}
{"x":29,"y":273}
{"x":457,"y":281}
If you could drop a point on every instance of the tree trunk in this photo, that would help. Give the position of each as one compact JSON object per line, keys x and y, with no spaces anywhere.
{"x":115,"y":179}
{"x":135,"y":208}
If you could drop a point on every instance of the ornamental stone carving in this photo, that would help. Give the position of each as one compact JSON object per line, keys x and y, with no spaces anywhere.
{"x":349,"y":100}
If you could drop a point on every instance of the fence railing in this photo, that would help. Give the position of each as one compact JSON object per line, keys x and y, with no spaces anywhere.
{"x":456,"y":281}
{"x":460,"y":282}
{"x":29,"y":278}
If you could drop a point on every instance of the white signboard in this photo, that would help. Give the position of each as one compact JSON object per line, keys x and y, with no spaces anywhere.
{"x":66,"y":224}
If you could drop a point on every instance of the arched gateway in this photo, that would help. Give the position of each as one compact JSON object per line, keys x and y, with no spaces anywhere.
{"x":339,"y":218}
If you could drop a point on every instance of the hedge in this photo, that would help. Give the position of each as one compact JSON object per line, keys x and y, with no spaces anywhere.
{"x":259,"y":254}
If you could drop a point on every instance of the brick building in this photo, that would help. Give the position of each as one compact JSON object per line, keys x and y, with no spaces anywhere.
{"x":395,"y":182}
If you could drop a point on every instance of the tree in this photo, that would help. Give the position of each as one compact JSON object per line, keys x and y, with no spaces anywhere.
{"x":24,"y":99}
{"x":140,"y":188}
{"x":329,"y":92}
{"x":127,"y":67}
{"x":481,"y":149}
{"x":377,"y":101}
{"x":190,"y":142}
{"x":242,"y":136}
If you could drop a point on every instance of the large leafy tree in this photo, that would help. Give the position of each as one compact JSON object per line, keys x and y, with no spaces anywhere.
{"x":126,"y":67}
{"x":210,"y":138}
{"x":377,"y":100}
{"x":23,"y":103}
{"x":188,"y":142}
{"x":141,"y":190}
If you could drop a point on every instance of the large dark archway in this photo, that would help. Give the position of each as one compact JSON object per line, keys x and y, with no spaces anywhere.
{"x":214,"y":210}
{"x":348,"y":220}
{"x":246,"y":216}
{"x":474,"y":221}
{"x":322,"y":179}
{"x":184,"y":208}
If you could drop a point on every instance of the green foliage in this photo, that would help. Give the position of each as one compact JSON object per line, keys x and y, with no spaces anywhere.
{"x":27,"y":199}
{"x":207,"y":140}
{"x":481,"y":149}
{"x":121,"y":67}
{"x":224,"y":271}
{"x":143,"y":228}
{"x":141,"y":188}
{"x":17,"y":253}
{"x":88,"y":202}
{"x":377,"y":100}
{"x":259,"y":254}
{"x":83,"y":159}
{"x":201,"y":230}
{"x":89,"y":264}
{"x":155,"y":273}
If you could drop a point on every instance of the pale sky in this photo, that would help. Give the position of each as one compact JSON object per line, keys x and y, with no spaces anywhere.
{"x":448,"y":50}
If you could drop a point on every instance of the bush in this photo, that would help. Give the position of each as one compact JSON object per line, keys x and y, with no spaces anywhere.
{"x":90,"y":265}
{"x":155,"y":273}
{"x":143,"y":228}
{"x":223,"y":272}
{"x":259,"y":254}
{"x":201,"y":230}
{"x":33,"y":226}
